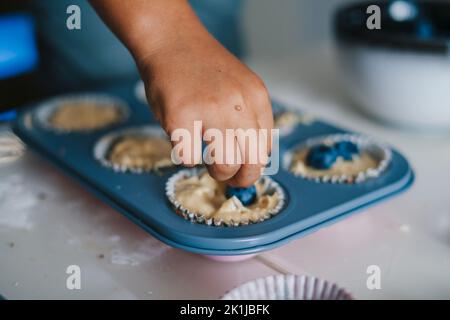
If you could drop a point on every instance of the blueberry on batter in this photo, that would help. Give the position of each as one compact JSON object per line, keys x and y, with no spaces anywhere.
{"x":321,"y":157}
{"x":346,"y":150}
{"x":247,"y":196}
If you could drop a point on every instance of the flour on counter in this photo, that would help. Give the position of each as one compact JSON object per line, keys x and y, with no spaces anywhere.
{"x":114,"y":238}
{"x":145,"y":251}
{"x":17,"y":203}
{"x":405,"y":228}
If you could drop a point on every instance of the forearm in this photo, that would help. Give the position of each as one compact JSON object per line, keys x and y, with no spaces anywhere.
{"x":190,"y":76}
{"x":147,"y":26}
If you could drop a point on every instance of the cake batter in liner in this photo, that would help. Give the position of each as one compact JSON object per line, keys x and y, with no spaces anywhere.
{"x":105,"y":145}
{"x":272,"y":187}
{"x":287,"y":120}
{"x":47,"y":110}
{"x":381,"y":155}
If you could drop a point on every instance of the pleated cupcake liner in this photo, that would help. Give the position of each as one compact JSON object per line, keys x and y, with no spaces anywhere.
{"x":271,"y":187}
{"x":47,"y":108}
{"x":288,"y":287}
{"x":11,"y":147}
{"x":105,"y":144}
{"x":381,"y":153}
{"x":286,"y":130}
{"x":139,"y":92}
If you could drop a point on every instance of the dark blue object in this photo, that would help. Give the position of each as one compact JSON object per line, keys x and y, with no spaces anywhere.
{"x":309,"y":205}
{"x":246,"y":195}
{"x":425,"y":29}
{"x":321,"y":157}
{"x":346,"y":149}
{"x":405,"y":24}
{"x":18,"y":50}
{"x":8,"y":116}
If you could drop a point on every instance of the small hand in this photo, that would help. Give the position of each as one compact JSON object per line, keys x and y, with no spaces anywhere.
{"x":195,"y":78}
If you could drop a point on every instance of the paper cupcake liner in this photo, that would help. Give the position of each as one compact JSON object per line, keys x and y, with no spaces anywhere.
{"x":288,"y":287}
{"x":11,"y":147}
{"x":47,"y":108}
{"x":272,"y":187}
{"x":285,"y":130}
{"x":139,"y":92}
{"x":103,"y":147}
{"x":381,"y":153}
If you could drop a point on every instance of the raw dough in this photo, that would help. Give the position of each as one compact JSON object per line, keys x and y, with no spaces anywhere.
{"x":360,"y":163}
{"x":204,"y":196}
{"x":289,"y":119}
{"x":80,"y":116}
{"x":141,"y":153}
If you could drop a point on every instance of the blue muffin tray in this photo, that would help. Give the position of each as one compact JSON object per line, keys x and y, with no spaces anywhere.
{"x":141,"y":197}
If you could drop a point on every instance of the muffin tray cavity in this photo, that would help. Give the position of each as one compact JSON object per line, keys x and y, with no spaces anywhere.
{"x":308,"y":204}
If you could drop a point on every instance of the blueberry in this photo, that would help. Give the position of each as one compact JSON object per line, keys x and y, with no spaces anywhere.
{"x":346,"y":149}
{"x":247,"y":196}
{"x":321,"y":157}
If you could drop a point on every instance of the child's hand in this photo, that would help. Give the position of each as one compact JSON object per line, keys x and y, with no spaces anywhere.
{"x":189,"y":76}
{"x":195,"y":78}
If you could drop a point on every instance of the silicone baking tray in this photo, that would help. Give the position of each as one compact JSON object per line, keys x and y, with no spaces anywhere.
{"x":141,"y":197}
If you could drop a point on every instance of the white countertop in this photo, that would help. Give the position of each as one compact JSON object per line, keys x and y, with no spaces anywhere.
{"x":48,"y":222}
